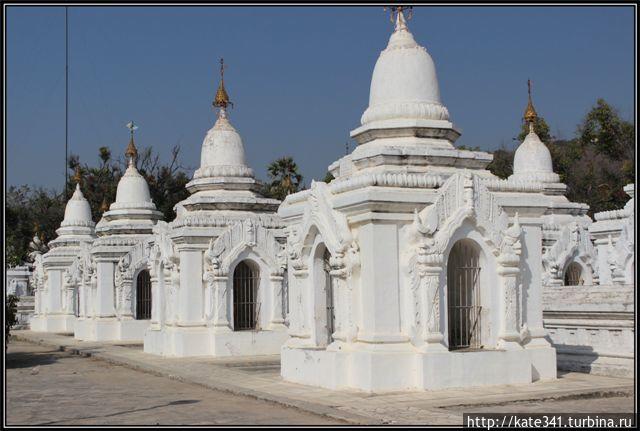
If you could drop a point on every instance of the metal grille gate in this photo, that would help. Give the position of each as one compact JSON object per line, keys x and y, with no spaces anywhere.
{"x":245,"y":293}
{"x":573,"y":275}
{"x":331,"y":318}
{"x":463,"y":296}
{"x":143,"y":295}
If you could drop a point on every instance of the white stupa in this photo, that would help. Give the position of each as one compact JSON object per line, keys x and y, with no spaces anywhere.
{"x":55,"y":302}
{"x":377,"y":257}
{"x":406,"y":124}
{"x":224,"y":245}
{"x":133,"y":211}
{"x":110,"y":310}
{"x":532,"y":160}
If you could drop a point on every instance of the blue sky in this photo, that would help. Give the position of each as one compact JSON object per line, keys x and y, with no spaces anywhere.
{"x":299,"y":76}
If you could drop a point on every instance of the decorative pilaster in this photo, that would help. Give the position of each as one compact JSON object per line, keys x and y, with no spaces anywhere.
{"x":276,"y":280}
{"x":509,"y":332}
{"x":221,"y":310}
{"x":430,"y":270}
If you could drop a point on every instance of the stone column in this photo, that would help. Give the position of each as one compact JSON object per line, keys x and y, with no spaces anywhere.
{"x":81,"y":298}
{"x":153,"y":276}
{"x":70,"y":306}
{"x":190,"y":292}
{"x":432,"y":306}
{"x":509,"y":332}
{"x":276,"y":282}
{"x":127,"y":295}
{"x":104,"y":300}
{"x":221,"y":303}
{"x":531,"y":280}
{"x":338,"y":288}
{"x":298,"y":303}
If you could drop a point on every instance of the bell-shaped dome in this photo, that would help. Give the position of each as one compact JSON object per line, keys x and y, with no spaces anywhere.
{"x":222,"y":152}
{"x":133,"y":188}
{"x":404,"y":83}
{"x":77,"y":211}
{"x":532,"y":161}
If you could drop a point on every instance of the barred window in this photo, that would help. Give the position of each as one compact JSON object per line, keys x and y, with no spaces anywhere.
{"x":245,"y":297}
{"x":143,"y":295}
{"x":463,"y":296}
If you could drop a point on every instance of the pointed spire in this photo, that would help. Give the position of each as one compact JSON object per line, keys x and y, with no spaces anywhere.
{"x":222,"y":98}
{"x":132,"y":151}
{"x":77,"y":177}
{"x":400,"y":21}
{"x":530,"y":114}
{"x":104,"y":206}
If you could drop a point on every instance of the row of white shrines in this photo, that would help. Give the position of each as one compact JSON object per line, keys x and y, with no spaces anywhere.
{"x":415,"y":268}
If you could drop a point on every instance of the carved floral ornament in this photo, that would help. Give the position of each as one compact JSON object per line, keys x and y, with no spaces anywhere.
{"x":573,"y":241}
{"x":225,"y":249}
{"x":622,"y":252}
{"x":333,"y":228}
{"x":464,"y":196}
{"x":137,"y":258}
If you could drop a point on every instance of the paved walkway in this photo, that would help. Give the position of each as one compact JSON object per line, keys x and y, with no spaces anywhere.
{"x":259,"y":377}
{"x":47,"y":387}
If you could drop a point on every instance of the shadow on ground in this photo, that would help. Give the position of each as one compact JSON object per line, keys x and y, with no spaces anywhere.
{"x":30,"y":359}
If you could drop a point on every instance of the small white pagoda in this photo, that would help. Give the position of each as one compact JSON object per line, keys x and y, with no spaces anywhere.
{"x":113,"y":276}
{"x":218,"y":268}
{"x":55,"y":297}
{"x":415,"y":268}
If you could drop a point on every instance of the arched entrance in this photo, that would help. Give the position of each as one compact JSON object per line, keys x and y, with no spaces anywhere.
{"x":245,"y":295}
{"x":143,"y":295}
{"x":463,"y":296}
{"x":573,"y":275}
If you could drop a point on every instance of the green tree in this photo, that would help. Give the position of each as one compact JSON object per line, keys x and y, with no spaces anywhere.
{"x":285,"y":178}
{"x":603,"y":129}
{"x":30,"y":211}
{"x":595,"y":165}
{"x":502,"y":163}
{"x":10,"y":316}
{"x":540,"y":127}
{"x":41,"y":211}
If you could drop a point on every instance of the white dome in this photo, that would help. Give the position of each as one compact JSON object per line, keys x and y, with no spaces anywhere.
{"x":77,"y":211}
{"x":222,"y":152}
{"x":404,"y":83}
{"x":133,"y":188}
{"x":532,"y":161}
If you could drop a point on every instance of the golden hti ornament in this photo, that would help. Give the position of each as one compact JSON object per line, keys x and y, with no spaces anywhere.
{"x":222,"y":98}
{"x":77,"y":177}
{"x":530,"y":114}
{"x":132,"y":151}
{"x":397,"y":13}
{"x":104,"y":206}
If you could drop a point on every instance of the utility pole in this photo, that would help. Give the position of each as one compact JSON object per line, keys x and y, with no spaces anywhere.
{"x":66,"y":103}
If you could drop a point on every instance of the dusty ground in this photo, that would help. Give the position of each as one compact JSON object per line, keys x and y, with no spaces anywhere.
{"x":48,"y":387}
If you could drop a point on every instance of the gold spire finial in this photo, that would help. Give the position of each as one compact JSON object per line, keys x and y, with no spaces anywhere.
{"x":104,"y":206}
{"x":222,"y":98}
{"x":397,"y":16}
{"x":77,"y":177}
{"x":530,"y":114}
{"x":131,"y":151}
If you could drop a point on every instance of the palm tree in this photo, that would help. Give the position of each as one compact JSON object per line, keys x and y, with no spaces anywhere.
{"x":285,"y":178}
